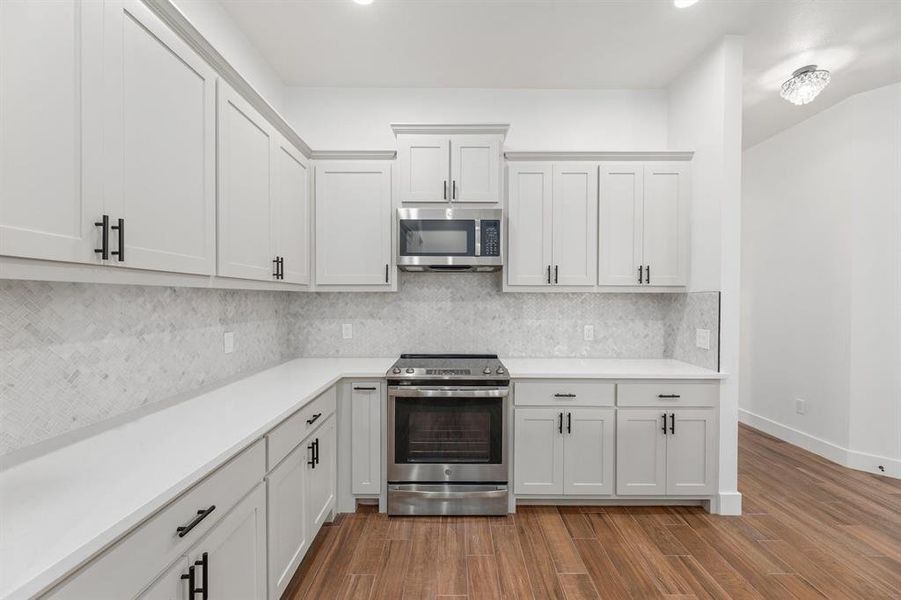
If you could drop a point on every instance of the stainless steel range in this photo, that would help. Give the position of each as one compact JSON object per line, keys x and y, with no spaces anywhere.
{"x":447,"y":435}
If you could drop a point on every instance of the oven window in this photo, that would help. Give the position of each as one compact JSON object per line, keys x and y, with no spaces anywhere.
{"x":427,"y":237}
{"x":448,"y":430}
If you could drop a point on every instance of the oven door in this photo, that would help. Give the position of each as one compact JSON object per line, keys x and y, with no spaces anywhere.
{"x":447,"y":434}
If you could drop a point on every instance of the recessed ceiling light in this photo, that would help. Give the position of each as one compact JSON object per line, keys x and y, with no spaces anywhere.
{"x":805,"y":84}
{"x":684,"y":3}
{"x":364,"y":2}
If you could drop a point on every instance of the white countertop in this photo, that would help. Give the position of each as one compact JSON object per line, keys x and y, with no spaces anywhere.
{"x":606,"y":368}
{"x":61,"y":508}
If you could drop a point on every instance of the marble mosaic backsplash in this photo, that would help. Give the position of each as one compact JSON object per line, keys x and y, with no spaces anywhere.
{"x":75,"y":355}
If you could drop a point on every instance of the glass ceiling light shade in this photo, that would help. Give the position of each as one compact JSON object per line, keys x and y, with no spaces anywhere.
{"x":805,"y":84}
{"x":684,"y":3}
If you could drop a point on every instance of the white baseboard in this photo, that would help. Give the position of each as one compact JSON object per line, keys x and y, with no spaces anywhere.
{"x":837,"y":454}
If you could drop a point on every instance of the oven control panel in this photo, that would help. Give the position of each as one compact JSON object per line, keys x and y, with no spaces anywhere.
{"x":490,"y":241}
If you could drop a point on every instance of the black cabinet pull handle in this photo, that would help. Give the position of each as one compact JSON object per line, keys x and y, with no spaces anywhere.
{"x":549,"y":274}
{"x":668,"y":396}
{"x":556,"y":272}
{"x":647,"y":274}
{"x":120,"y":228}
{"x":190,"y":577}
{"x":312,"y":419}
{"x":454,"y":190}
{"x":316,"y":450}
{"x":569,"y":422}
{"x":184,"y":530}
{"x":281,"y":267}
{"x":560,"y":422}
{"x":386,"y":273}
{"x":664,"y":423}
{"x":365,"y":389}
{"x":445,"y":189}
{"x":312,"y":459}
{"x":103,"y":250}
{"x":275,"y":267}
{"x":204,"y":589}
{"x":564,"y":395}
{"x":640,"y":271}
{"x":672,"y":426}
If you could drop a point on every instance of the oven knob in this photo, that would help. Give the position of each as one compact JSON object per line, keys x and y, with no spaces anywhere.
{"x":486,"y":371}
{"x":409,"y":371}
{"x":395,"y":370}
{"x":500,"y":370}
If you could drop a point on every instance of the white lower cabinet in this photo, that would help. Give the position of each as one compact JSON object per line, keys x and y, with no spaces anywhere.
{"x":366,"y":439}
{"x":288,"y":534}
{"x":564,"y":451}
{"x":661,"y":452}
{"x":170,"y":585}
{"x":320,"y":492}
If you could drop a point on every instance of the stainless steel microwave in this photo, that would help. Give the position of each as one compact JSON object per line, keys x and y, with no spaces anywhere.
{"x":449,"y":239}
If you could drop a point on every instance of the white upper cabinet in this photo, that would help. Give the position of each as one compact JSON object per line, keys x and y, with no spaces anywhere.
{"x":291,"y":225}
{"x":449,"y":164}
{"x":644,"y":224}
{"x":50,"y":78}
{"x":245,"y":147}
{"x":552,"y":216}
{"x":353,"y":223}
{"x":159,"y":144}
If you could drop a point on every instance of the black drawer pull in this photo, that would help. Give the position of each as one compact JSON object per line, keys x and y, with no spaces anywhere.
{"x":365,"y":389}
{"x":564,"y":395}
{"x":120,"y":227}
{"x":103,"y":250}
{"x":313,"y":419}
{"x":201,"y":515}
{"x":668,"y":396}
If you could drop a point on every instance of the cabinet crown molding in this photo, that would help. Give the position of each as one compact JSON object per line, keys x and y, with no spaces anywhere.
{"x":451,"y":128}
{"x":354,"y":154}
{"x":661,"y":155}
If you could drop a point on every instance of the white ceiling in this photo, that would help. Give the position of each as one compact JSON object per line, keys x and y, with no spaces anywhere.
{"x":577,"y":44}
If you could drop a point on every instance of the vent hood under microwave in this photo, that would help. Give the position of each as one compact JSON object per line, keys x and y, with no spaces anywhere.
{"x":449,"y":239}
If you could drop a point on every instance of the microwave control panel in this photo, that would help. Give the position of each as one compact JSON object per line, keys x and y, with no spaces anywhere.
{"x":490,"y":238}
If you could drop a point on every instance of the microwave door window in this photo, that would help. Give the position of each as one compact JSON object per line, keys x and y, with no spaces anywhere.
{"x":437,"y":238}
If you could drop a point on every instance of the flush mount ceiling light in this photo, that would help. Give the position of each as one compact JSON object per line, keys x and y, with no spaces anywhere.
{"x":363,"y":2}
{"x":684,"y":3}
{"x":805,"y":84}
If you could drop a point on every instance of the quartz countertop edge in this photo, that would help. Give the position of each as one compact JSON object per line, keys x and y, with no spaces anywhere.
{"x":62,"y":508}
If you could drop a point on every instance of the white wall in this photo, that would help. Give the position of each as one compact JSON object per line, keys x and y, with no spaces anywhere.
{"x":705,"y":116}
{"x":359,"y":118}
{"x":220,"y":30}
{"x":821,"y":270}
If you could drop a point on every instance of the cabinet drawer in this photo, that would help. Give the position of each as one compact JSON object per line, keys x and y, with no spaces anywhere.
{"x":131,"y":564}
{"x":563,"y":392}
{"x":668,"y":393}
{"x":284,"y":438}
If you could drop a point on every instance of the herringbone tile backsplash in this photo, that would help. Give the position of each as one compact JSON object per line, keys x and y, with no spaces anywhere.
{"x":73,"y":355}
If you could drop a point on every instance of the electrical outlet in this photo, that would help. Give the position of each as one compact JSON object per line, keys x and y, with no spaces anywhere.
{"x":347,"y":331}
{"x":588,"y":333}
{"x":228,"y":342}
{"x":800,"y":406}
{"x":702,"y":338}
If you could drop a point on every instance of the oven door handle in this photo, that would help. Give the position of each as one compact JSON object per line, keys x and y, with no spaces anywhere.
{"x":448,"y":392}
{"x":448,"y":494}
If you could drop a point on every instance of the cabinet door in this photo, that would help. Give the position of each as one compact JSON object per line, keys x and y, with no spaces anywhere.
{"x":475,"y":168}
{"x":538,"y":451}
{"x":588,"y":451}
{"x":245,"y":250}
{"x":691,"y":453}
{"x":366,"y":437}
{"x":159,"y":143}
{"x":423,"y":163}
{"x":236,"y":551}
{"x":529,"y":218}
{"x":575,"y":223}
{"x":665,"y":223}
{"x":640,"y":452}
{"x":170,"y":585}
{"x":291,"y":211}
{"x":619,"y":223}
{"x":321,"y":489}
{"x":353,"y":223}
{"x":287,"y":531}
{"x":50,"y":84}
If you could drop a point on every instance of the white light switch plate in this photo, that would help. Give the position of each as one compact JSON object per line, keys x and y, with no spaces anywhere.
{"x":228,"y":342}
{"x":702,"y":338}
{"x":800,"y":406}
{"x":347,"y":331}
{"x":588,"y":333}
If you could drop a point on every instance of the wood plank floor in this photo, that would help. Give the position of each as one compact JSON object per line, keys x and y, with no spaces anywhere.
{"x":810,"y":529}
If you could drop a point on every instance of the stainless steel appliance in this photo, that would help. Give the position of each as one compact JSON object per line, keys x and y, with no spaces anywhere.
{"x":449,"y":239}
{"x":447,"y":435}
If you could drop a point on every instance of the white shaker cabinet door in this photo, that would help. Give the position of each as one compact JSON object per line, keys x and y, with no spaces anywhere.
{"x":529,"y":224}
{"x":236,"y":551}
{"x":475,"y":168}
{"x":291,"y":211}
{"x":159,"y":144}
{"x":620,"y":223}
{"x":353,"y":223}
{"x":288,"y":537}
{"x":588,"y":451}
{"x":423,"y":163}
{"x":50,"y":84}
{"x":538,"y":451}
{"x":322,"y":478}
{"x":366,"y":439}
{"x":575,"y":224}
{"x":245,"y":144}
{"x":691,"y":453}
{"x":170,"y":585}
{"x":666,"y":224}
{"x":640,"y":452}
